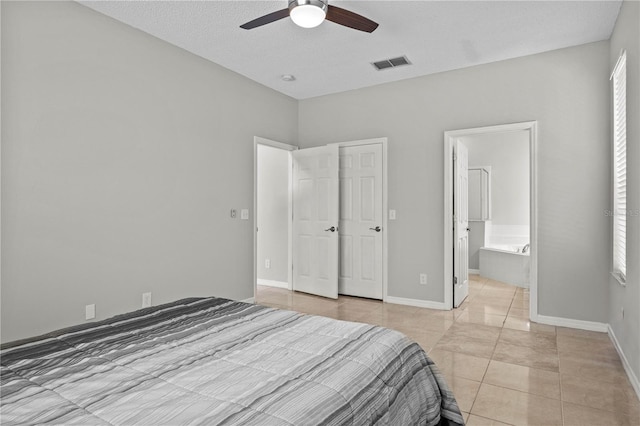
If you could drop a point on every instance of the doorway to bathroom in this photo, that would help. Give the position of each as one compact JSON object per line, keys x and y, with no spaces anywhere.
{"x":490,"y":209}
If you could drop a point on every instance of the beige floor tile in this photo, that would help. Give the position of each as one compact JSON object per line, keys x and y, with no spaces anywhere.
{"x":596,"y":369}
{"x":579,"y":347}
{"x":465,"y":391}
{"x":483,"y":421}
{"x":525,"y":379}
{"x":523,"y":324}
{"x":520,"y":303}
{"x":515,"y":407}
{"x":546,"y":359}
{"x":466,"y":345}
{"x":518,"y":312}
{"x":488,"y":309}
{"x":460,"y":365}
{"x":585,"y":334}
{"x":476,"y":331}
{"x":476,"y":317}
{"x":578,"y":415}
{"x":531,"y":340}
{"x":617,"y":397}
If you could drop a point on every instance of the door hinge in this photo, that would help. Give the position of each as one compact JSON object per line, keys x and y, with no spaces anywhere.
{"x":455,"y":280}
{"x":455,"y":157}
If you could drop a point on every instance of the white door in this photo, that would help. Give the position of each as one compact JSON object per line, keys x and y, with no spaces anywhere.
{"x":315,"y":221}
{"x":461,"y":224}
{"x":360,"y":272}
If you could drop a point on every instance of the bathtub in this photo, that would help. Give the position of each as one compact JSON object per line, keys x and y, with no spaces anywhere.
{"x":505,"y":263}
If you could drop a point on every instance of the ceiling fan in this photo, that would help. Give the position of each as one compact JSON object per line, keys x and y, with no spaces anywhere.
{"x":311,"y":13}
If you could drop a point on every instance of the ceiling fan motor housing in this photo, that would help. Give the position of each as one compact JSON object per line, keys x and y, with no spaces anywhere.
{"x":322,"y":4}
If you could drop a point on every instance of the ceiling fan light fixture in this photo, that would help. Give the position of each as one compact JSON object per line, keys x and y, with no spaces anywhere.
{"x":307,"y":13}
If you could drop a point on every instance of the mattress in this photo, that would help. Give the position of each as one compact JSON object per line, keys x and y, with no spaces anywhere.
{"x":216,"y":361}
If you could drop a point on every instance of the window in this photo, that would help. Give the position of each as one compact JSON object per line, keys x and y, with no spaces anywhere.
{"x":619,"y":77}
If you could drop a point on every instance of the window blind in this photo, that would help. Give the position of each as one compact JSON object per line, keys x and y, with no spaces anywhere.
{"x":619,"y":77}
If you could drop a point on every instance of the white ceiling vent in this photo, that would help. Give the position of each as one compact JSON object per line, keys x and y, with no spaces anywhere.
{"x":391,"y":63}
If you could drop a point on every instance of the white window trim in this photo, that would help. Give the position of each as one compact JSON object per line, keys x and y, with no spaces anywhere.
{"x":619,"y":169}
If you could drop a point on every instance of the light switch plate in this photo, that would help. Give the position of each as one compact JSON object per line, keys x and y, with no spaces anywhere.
{"x":392,"y":215}
{"x":244,"y":214}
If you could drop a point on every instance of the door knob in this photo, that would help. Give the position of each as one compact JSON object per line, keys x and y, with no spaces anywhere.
{"x":377,"y":229}
{"x":332,"y":229}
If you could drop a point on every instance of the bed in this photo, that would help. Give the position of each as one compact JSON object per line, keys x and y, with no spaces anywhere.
{"x":216,"y":361}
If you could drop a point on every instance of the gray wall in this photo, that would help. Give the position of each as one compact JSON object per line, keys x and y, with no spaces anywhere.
{"x":565,"y":90}
{"x":627,"y":36}
{"x":121,"y":157}
{"x":273,"y":206}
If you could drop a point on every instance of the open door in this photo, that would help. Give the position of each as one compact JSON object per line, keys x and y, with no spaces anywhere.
{"x":315,"y":220}
{"x":461,"y":224}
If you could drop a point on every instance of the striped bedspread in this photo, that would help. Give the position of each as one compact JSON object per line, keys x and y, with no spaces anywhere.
{"x":215,"y":361}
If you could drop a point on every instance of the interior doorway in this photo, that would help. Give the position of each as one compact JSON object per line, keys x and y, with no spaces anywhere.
{"x":508,"y":231}
{"x":272,"y":213}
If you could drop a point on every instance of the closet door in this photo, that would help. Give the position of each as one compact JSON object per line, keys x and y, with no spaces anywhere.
{"x":361,"y":217}
{"x":315,"y":221}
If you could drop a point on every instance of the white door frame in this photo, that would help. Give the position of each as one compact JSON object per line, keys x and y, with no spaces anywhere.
{"x":385,"y":210}
{"x":449,"y":139}
{"x":257,"y":140}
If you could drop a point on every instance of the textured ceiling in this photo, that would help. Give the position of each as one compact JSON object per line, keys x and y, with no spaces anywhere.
{"x":436,"y":36}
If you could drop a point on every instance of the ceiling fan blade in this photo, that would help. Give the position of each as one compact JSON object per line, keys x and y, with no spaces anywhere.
{"x":266,"y":19}
{"x":350,"y":19}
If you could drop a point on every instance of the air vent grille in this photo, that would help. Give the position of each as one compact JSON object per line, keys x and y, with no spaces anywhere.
{"x":391,"y":63}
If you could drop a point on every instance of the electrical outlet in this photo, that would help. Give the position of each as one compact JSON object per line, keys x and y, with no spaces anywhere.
{"x":244,"y":214}
{"x":90,"y":311}
{"x":267,"y":263}
{"x":234,"y":213}
{"x":423,"y":279}
{"x":146,"y":300}
{"x":392,"y":214}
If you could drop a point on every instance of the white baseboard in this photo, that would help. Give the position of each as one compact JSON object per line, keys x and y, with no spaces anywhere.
{"x":415,"y":302}
{"x":249,"y":300}
{"x":625,"y":363}
{"x":271,"y":283}
{"x":474,"y":271}
{"x":572,"y":323}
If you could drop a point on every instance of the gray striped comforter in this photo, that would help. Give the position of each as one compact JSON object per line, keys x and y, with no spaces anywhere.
{"x":215,"y":361}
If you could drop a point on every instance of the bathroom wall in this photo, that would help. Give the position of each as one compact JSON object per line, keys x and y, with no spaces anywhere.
{"x":507,"y":154}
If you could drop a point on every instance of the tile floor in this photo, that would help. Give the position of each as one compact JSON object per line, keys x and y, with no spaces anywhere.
{"x":502,"y":368}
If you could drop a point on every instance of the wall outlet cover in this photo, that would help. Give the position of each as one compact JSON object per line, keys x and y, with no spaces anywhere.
{"x":90,"y":311}
{"x":244,"y":214}
{"x":267,"y":263}
{"x":146,"y":300}
{"x":423,"y":279}
{"x":234,"y":213}
{"x":392,"y":214}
